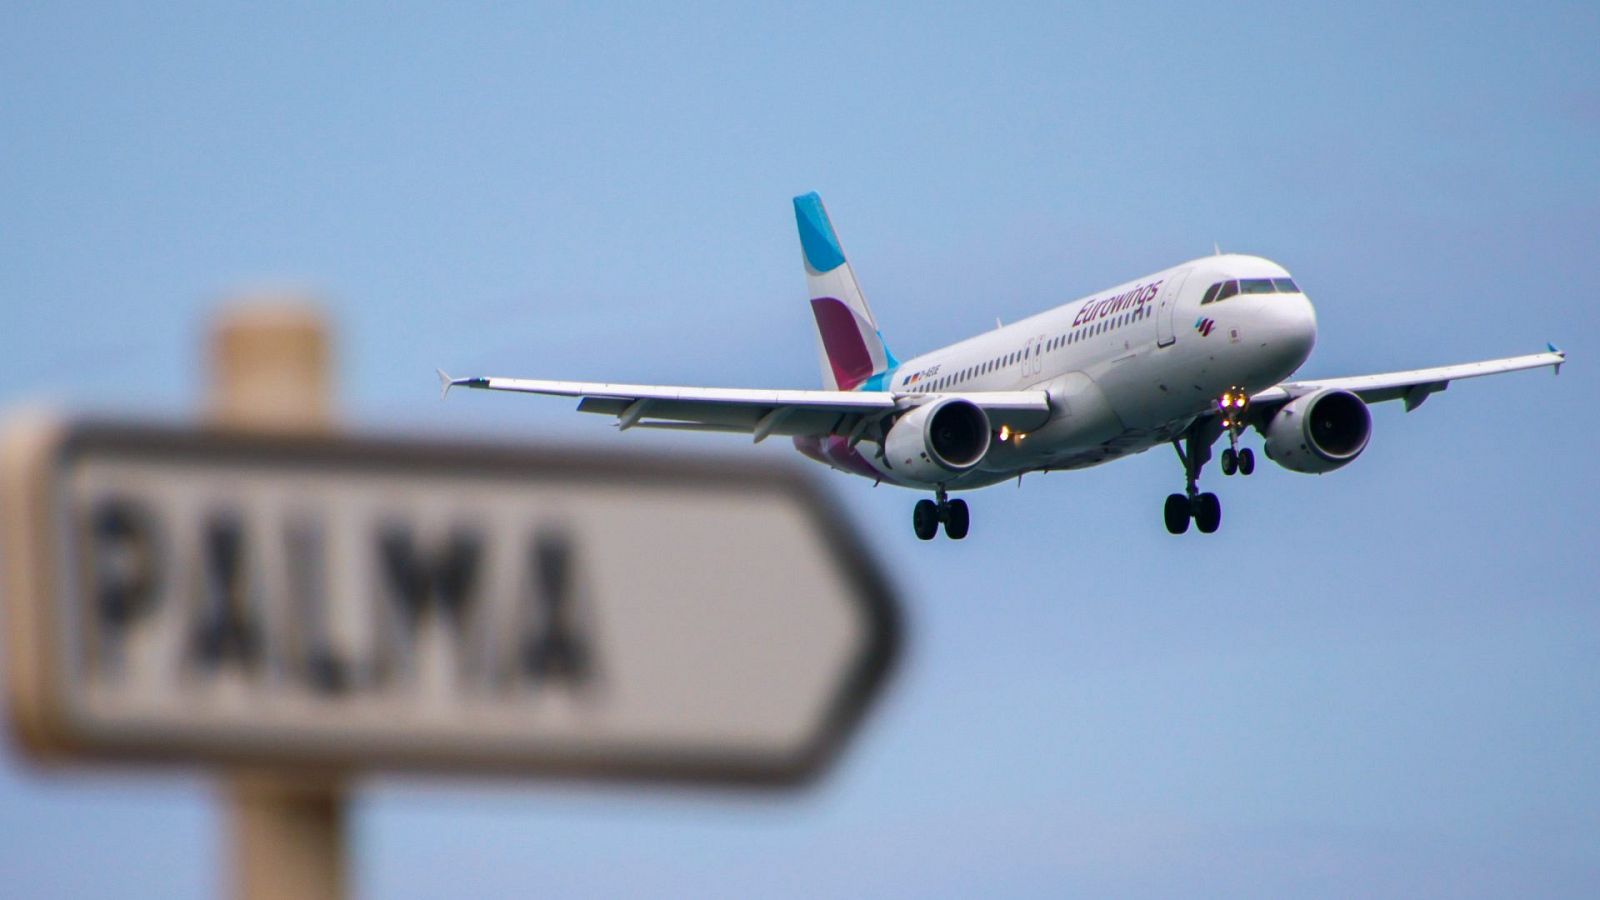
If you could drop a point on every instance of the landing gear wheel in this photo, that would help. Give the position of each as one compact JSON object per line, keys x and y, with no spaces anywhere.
{"x":925,"y":519}
{"x":1231,"y":461}
{"x":1207,"y":513}
{"x":1247,"y":461}
{"x":957,"y":520}
{"x":1177,"y":513}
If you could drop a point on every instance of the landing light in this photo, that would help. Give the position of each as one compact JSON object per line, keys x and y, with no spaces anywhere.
{"x":1005,"y":432}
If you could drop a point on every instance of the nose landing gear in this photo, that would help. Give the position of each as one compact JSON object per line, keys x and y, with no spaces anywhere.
{"x":927,"y":514}
{"x":1234,"y":406}
{"x":1241,"y":461}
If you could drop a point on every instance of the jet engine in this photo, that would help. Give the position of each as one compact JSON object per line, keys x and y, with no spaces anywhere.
{"x":1319,"y":432}
{"x":937,"y":440}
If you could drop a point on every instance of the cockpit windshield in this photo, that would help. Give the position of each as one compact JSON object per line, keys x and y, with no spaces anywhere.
{"x":1222,"y":290}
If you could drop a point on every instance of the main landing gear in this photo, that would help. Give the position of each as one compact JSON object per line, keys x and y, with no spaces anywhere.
{"x":1204,"y":509}
{"x":927,"y":514}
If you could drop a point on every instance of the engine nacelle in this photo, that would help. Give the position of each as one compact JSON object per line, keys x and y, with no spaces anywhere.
{"x":937,"y":440}
{"x":1319,"y":432}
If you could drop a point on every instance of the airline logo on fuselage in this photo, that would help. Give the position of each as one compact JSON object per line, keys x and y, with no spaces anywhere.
{"x":1134,"y":298}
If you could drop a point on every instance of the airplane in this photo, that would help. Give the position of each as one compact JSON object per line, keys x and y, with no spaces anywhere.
{"x":1184,"y":356}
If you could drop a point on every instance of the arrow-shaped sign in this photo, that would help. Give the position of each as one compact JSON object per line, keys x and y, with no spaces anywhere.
{"x":189,"y":595}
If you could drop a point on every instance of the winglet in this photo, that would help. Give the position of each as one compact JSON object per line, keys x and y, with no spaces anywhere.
{"x":446,"y":383}
{"x":817,"y":238}
{"x":1559,"y":352}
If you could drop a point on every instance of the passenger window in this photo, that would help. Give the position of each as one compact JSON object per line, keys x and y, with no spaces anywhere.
{"x":1285,"y":285}
{"x":1229,"y":288}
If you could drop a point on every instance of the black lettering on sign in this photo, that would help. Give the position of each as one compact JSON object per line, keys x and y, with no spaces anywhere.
{"x":121,"y":574}
{"x":226,"y":630}
{"x":556,"y":644}
{"x":422,"y":583}
{"x":315,"y":659}
{"x":430,"y":586}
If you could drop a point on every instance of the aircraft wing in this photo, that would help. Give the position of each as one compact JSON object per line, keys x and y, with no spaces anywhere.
{"x":761,"y":413}
{"x":1414,"y":386}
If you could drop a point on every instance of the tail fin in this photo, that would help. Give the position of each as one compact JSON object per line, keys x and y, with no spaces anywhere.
{"x":852,"y":350}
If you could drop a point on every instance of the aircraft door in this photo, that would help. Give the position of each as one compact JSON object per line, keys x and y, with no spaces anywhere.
{"x":1166,"y":305}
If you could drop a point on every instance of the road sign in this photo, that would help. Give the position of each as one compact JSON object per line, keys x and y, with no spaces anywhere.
{"x":183,"y":594}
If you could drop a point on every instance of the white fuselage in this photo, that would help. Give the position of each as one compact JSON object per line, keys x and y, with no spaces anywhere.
{"x":1126,"y":368}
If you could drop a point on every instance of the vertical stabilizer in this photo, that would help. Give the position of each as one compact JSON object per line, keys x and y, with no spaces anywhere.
{"x":852,"y":349}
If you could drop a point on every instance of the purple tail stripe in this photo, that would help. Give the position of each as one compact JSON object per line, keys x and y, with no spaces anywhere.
{"x":841,"y":339}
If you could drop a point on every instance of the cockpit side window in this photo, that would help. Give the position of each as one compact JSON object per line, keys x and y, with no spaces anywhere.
{"x":1211,"y":293}
{"x":1286,"y":285}
{"x":1229,"y":288}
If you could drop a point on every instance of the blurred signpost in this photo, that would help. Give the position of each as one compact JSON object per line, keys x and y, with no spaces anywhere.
{"x":297,"y":606}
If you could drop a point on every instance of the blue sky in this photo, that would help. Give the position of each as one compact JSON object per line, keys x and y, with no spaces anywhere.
{"x":1379,"y":681}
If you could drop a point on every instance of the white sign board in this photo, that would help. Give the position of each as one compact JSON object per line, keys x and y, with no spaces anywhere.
{"x":191,"y":595}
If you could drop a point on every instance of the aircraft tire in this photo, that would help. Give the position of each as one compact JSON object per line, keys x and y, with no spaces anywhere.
{"x":1177,"y":513}
{"x":1229,"y":461}
{"x":1207,"y":513}
{"x":957,"y":520}
{"x":1247,"y":461}
{"x":925,"y":519}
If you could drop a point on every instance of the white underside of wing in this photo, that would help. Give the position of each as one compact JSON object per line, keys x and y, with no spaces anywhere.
{"x":1412,"y":386}
{"x":759,"y":411}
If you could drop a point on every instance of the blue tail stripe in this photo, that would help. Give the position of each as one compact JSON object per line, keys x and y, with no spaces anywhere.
{"x":817,"y":239}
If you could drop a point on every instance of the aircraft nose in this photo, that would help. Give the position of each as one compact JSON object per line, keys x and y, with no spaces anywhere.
{"x":1291,"y":330}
